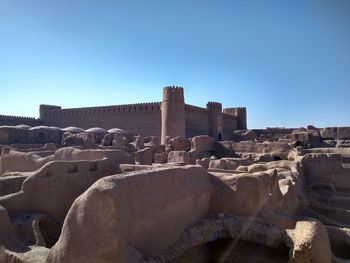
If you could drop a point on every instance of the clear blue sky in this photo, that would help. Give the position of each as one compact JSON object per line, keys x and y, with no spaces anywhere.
{"x":288,"y":62}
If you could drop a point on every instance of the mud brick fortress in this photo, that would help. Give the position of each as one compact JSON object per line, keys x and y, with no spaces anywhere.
{"x":73,"y":195}
{"x":170,"y":117}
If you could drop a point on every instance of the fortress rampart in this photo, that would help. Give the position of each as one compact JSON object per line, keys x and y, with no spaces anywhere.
{"x":135,"y":118}
{"x":241,"y":114}
{"x":17,"y":120}
{"x":171,"y":117}
{"x":196,"y":120}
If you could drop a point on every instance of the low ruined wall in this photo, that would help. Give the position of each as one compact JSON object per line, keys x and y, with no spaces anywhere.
{"x":335,"y":133}
{"x":11,"y":184}
{"x":52,"y":189}
{"x":11,"y":160}
{"x":73,"y":154}
{"x":129,"y":215}
{"x":274,"y":132}
{"x":253,"y":147}
{"x":326,"y":169}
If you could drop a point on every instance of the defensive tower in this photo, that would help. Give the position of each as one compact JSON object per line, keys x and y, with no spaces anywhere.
{"x":45,"y":107}
{"x":173,"y":112}
{"x":241,"y":114}
{"x":215,"y":122}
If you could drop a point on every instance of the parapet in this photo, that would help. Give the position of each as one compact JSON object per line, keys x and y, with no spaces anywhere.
{"x":44,"y":107}
{"x":241,"y":114}
{"x":173,"y":93}
{"x":229,"y":117}
{"x":16,"y":120}
{"x":10,"y":117}
{"x":215,"y":106}
{"x":235,"y":111}
{"x":195,"y":110}
{"x":104,"y":110}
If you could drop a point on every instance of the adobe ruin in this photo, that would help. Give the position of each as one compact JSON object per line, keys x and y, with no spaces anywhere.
{"x":172,"y":116}
{"x":111,"y":194}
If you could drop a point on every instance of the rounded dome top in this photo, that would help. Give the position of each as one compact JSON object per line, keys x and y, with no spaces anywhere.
{"x":44,"y":128}
{"x":117,"y":130}
{"x":73,"y":129}
{"x":96,"y":130}
{"x":23,"y":126}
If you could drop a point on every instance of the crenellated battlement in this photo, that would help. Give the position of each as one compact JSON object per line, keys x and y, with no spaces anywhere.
{"x":103,"y":110}
{"x":16,"y":120}
{"x":241,"y":114}
{"x":173,"y":93}
{"x":173,"y":88}
{"x":229,"y":116}
{"x":45,"y":107}
{"x":173,"y":112}
{"x":214,"y":106}
{"x":49,"y":106}
{"x":170,"y":117}
{"x":235,"y":110}
{"x":195,"y":110}
{"x":11,"y":117}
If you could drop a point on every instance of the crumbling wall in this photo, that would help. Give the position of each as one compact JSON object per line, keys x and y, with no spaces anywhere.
{"x":120,"y":213}
{"x":52,"y":189}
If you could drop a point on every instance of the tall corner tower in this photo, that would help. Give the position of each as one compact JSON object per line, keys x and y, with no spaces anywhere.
{"x":43,"y":108}
{"x":173,"y":112}
{"x":215,"y":122}
{"x":241,"y":114}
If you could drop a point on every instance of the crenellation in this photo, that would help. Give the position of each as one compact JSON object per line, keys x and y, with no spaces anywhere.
{"x":216,"y":106}
{"x":191,"y":109}
{"x":173,"y":113}
{"x":191,"y":120}
{"x":167,"y":181}
{"x":174,"y":93}
{"x":241,"y":114}
{"x":252,"y":182}
{"x":229,"y":116}
{"x":103,"y":110}
{"x":17,"y":120}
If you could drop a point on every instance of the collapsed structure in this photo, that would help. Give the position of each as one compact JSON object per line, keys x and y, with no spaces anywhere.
{"x":97,"y":195}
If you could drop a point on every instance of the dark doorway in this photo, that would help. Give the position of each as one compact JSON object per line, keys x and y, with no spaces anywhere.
{"x":219,"y":137}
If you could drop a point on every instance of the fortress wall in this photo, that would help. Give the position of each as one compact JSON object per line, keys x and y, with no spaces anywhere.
{"x":241,"y":114}
{"x":141,"y":118}
{"x":17,"y":120}
{"x":230,"y":125}
{"x":196,"y":120}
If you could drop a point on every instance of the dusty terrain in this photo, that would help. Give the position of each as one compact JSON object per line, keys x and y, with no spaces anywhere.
{"x":74,"y":195}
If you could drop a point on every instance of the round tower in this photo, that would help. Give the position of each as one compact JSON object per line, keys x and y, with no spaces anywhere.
{"x":215,"y":119}
{"x":173,"y":113}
